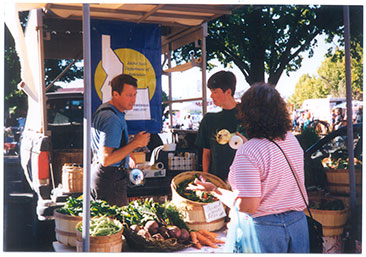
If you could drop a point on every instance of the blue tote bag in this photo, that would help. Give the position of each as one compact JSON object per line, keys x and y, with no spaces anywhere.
{"x":241,"y":235}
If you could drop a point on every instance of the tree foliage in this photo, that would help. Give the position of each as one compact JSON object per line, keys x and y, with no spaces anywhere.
{"x":331,"y":79}
{"x":15,"y":99}
{"x":267,"y":40}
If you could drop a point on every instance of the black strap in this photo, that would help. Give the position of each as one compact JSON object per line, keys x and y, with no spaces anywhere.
{"x":293,"y":173}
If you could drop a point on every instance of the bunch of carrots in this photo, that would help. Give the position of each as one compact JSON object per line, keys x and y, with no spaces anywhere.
{"x":204,"y":237}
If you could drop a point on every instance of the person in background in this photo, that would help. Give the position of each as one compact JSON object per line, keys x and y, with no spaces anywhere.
{"x":301,"y":120}
{"x":294,"y":120}
{"x":307,"y":119}
{"x":189,"y":124}
{"x":262,"y":183}
{"x":359,"y":115}
{"x":110,"y":146}
{"x":339,"y":119}
{"x":217,"y":158}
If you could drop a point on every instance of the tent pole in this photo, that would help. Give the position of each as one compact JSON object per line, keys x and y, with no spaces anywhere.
{"x":170,"y":90}
{"x":87,"y":125}
{"x":204,"y":60}
{"x":351,"y":167}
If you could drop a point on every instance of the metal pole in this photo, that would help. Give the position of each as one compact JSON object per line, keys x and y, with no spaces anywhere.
{"x":204,"y":60}
{"x":87,"y":125}
{"x":350,"y":128}
{"x":170,"y":91}
{"x":60,"y":75}
{"x":42,"y":90}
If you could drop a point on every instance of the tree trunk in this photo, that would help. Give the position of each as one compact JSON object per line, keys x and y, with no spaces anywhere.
{"x":256,"y":57}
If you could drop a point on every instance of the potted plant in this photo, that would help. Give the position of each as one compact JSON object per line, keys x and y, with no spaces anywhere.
{"x":331,"y":213}
{"x":337,"y":172}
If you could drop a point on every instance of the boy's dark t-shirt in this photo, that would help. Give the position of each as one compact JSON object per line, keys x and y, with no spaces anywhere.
{"x":222,"y":156}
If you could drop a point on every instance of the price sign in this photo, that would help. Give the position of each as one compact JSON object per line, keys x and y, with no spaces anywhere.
{"x":214,"y":211}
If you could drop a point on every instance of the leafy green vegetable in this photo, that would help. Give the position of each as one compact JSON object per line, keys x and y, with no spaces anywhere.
{"x":103,"y":226}
{"x":139,"y":212}
{"x":327,"y":204}
{"x":74,"y":207}
{"x":339,"y":160}
{"x":197,"y":196}
{"x":173,"y":216}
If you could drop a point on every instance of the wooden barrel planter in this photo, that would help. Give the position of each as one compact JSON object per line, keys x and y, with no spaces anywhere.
{"x":72,"y":178}
{"x":338,"y":181}
{"x":193,"y":211}
{"x":333,"y":221}
{"x":65,"y":228}
{"x":110,"y":243}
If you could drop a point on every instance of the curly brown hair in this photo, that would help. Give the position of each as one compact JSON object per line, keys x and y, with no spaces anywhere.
{"x":263,"y":112}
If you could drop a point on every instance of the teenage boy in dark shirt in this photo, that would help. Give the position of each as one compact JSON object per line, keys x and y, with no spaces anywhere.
{"x":216,"y":157}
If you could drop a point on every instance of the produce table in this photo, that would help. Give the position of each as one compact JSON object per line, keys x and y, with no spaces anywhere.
{"x":136,"y":242}
{"x":58,"y":247}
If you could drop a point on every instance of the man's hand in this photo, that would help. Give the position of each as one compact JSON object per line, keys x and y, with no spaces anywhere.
{"x":141,"y":139}
{"x":132,"y":162}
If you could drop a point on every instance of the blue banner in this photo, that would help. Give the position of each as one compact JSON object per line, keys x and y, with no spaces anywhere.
{"x":131,"y":48}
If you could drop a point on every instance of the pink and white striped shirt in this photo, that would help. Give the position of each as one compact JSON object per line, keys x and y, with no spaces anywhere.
{"x":260,"y":170}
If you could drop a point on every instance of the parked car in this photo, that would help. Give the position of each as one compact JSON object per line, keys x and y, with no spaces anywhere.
{"x":333,"y":143}
{"x":10,"y":141}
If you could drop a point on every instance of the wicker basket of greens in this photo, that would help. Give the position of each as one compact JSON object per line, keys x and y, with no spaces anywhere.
{"x":150,"y":226}
{"x":192,"y":203}
{"x":71,"y":213}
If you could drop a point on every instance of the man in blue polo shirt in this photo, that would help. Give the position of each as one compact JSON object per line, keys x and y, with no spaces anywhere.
{"x":110,"y":146}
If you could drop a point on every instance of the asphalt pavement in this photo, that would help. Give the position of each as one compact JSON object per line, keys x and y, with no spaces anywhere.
{"x":22,"y":231}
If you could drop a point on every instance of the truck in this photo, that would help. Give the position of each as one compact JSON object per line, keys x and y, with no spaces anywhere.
{"x":321,"y":108}
{"x":43,"y":155}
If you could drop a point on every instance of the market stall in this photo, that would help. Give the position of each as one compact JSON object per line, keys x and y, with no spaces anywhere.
{"x":181,"y":24}
{"x":190,"y":222}
{"x":69,"y":31}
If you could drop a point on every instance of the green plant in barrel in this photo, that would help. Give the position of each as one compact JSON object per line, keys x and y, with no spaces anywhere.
{"x":339,"y":160}
{"x":327,"y":204}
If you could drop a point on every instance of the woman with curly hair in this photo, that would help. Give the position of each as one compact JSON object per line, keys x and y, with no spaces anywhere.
{"x":261,"y":179}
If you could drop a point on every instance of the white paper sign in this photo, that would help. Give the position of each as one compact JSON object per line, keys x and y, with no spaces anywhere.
{"x":141,"y":109}
{"x":214,"y":211}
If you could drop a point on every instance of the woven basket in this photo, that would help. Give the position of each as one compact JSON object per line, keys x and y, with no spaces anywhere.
{"x":72,"y":178}
{"x":193,"y":211}
{"x":65,"y":228}
{"x":140,"y":243}
{"x":111,"y":243}
{"x":338,"y":181}
{"x":333,"y":221}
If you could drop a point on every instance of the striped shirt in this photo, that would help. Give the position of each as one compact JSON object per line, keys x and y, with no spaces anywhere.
{"x":260,"y":170}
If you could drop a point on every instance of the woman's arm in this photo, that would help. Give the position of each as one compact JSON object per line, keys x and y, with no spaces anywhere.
{"x":227,"y":197}
{"x":248,"y":204}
